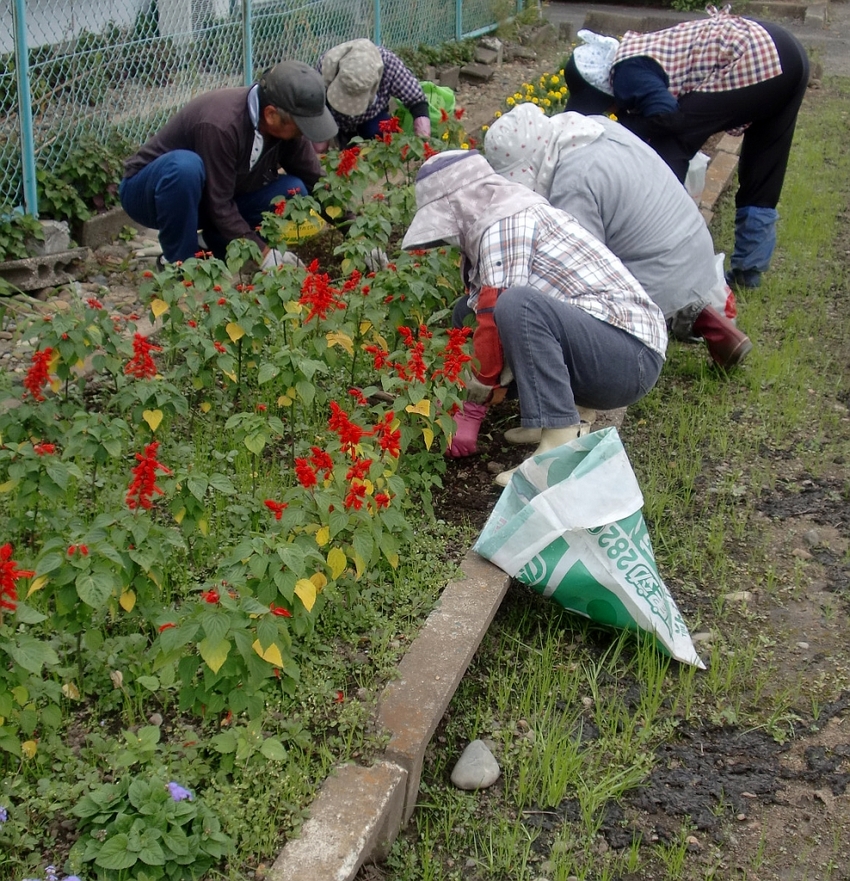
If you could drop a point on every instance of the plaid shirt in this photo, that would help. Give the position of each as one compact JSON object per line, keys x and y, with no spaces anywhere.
{"x":548,"y":250}
{"x":717,"y":54}
{"x":397,"y":82}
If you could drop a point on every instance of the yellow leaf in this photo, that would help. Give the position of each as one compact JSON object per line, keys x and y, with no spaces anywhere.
{"x":80,"y":363}
{"x":359,"y":565}
{"x":347,"y":266}
{"x":343,"y":340}
{"x":158,"y":307}
{"x":333,"y":211}
{"x":206,"y":406}
{"x":29,"y":748}
{"x":214,"y":653}
{"x":428,"y":435}
{"x":9,"y":485}
{"x":392,"y":559}
{"x":204,"y":528}
{"x":293,"y":307}
{"x":320,"y":580}
{"x":55,"y":385}
{"x":381,"y":342}
{"x":423,"y":408}
{"x":178,"y":517}
{"x":153,"y":418}
{"x":127,"y":600}
{"x":337,"y":561}
{"x":154,"y":579}
{"x":230,"y":376}
{"x":71,"y":691}
{"x":285,"y":401}
{"x":37,"y":584}
{"x":271,"y":654}
{"x":306,"y":590}
{"x":323,"y":536}
{"x":234,"y":331}
{"x":443,"y":282}
{"x":365,"y":326}
{"x":54,"y":361}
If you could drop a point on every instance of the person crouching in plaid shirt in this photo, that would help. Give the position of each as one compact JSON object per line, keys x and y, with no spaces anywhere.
{"x":676,"y":87}
{"x":555,"y":309}
{"x":360,"y":79}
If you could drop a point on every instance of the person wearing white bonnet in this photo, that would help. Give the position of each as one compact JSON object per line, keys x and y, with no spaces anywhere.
{"x":588,"y":73}
{"x":619,"y":189}
{"x":360,"y":79}
{"x":552,"y":304}
{"x":677,"y":87}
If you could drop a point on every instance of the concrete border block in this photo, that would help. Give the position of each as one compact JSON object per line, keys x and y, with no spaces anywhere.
{"x":103,"y":228}
{"x":355,"y":817}
{"x":46,"y":271}
{"x":429,"y":673}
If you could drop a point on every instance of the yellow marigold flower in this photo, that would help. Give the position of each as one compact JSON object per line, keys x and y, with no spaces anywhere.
{"x":563,"y":90}
{"x":554,"y":80}
{"x":547,"y":102}
{"x":497,"y":114}
{"x":445,"y":136}
{"x":535,"y":100}
{"x":612,"y":117}
{"x":517,"y":96}
{"x":464,"y":146}
{"x":510,"y":102}
{"x":485,"y":128}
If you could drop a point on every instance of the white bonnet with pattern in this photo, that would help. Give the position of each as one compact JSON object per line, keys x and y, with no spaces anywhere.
{"x":594,"y":57}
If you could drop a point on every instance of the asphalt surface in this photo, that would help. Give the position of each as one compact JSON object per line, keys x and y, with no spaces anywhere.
{"x":825,"y":32}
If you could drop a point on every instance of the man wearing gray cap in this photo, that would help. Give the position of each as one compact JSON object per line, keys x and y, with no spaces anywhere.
{"x":216,"y":166}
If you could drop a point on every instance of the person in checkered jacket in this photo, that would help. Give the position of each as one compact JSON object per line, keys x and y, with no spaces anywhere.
{"x":676,"y":87}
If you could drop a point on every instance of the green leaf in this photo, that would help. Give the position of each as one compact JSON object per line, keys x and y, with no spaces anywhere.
{"x":222,"y":483}
{"x":267,"y":372}
{"x":32,"y":654}
{"x":273,"y":750}
{"x":197,"y":486}
{"x":115,"y":855}
{"x":49,"y":563}
{"x":151,"y":683}
{"x":176,"y":841}
{"x":28,"y":615}
{"x":58,"y":473}
{"x":256,"y":442}
{"x":151,"y":851}
{"x":94,"y":590}
{"x":214,"y":652}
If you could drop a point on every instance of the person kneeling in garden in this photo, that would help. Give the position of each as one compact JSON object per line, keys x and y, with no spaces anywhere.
{"x":554,"y":307}
{"x":216,"y":165}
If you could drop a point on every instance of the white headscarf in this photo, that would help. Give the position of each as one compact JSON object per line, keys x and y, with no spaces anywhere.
{"x":525,"y":145}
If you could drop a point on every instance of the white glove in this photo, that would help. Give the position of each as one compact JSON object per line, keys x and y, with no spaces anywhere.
{"x":276,"y":258}
{"x":377,"y":259}
{"x":320,"y":147}
{"x":422,"y":126}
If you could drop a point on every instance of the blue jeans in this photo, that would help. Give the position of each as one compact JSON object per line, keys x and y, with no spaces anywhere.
{"x":562,"y":356}
{"x":166,"y":196}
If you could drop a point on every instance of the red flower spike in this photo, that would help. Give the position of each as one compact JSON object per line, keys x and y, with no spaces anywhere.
{"x":44,"y":449}
{"x":143,"y":486}
{"x":322,"y":461}
{"x":305,"y":474}
{"x":94,"y":303}
{"x":142,"y":365}
{"x":347,"y":162}
{"x":167,"y":626}
{"x":211,"y":596}
{"x":280,"y":208}
{"x":38,"y":376}
{"x":9,"y":576}
{"x":280,"y":611}
{"x":277,"y":508}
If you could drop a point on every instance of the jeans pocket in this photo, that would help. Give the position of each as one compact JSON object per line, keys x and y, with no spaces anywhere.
{"x":649,"y":369}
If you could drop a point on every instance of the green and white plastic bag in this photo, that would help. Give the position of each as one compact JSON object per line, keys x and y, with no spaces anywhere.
{"x":569,"y":525}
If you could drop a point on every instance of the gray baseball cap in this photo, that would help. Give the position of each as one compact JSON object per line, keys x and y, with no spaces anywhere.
{"x":299,"y":90}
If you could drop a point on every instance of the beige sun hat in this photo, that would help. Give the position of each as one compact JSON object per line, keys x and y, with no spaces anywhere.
{"x":352,"y":73}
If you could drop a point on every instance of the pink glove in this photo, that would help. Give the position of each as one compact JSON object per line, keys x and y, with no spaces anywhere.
{"x":467,"y":424}
{"x":422,"y":126}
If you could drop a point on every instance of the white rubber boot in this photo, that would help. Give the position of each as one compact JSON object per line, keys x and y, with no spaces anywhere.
{"x":532,"y":435}
{"x":549,"y":439}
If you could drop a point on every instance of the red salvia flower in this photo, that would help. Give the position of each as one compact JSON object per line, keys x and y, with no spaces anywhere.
{"x":143,"y":486}
{"x":322,"y":461}
{"x":380,"y":358}
{"x":390,"y":126}
{"x":211,"y":596}
{"x":94,"y":303}
{"x":388,"y":440}
{"x":167,"y":626}
{"x":44,"y":449}
{"x":347,"y":161}
{"x":429,"y":150}
{"x":142,"y":365}
{"x":280,"y":208}
{"x":444,"y":117}
{"x":277,"y":508}
{"x":38,"y":376}
{"x":305,"y":474}
{"x":220,"y":347}
{"x":340,"y":697}
{"x":355,"y":496}
{"x":318,"y":294}
{"x":349,"y":433}
{"x":459,"y":112}
{"x":352,"y":281}
{"x":359,"y":469}
{"x":405,"y":150}
{"x":9,"y":576}
{"x":453,"y":355}
{"x":358,"y":396}
{"x":280,"y":611}
{"x":382,"y":500}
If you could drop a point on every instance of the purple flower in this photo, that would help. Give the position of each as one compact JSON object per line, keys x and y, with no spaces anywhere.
{"x":4,"y":814}
{"x":71,"y":878}
{"x":178,"y":793}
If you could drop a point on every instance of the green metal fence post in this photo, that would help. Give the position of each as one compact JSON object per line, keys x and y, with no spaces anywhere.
{"x":377,"y":38}
{"x":247,"y":45}
{"x":22,"y":71}
{"x":458,"y":20}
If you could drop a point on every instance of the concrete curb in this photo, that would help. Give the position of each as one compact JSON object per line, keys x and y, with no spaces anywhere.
{"x":359,"y":812}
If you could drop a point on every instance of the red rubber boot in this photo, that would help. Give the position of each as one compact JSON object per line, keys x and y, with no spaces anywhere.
{"x":726,"y":344}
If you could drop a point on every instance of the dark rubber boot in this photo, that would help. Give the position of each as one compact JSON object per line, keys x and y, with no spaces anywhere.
{"x":726,"y":344}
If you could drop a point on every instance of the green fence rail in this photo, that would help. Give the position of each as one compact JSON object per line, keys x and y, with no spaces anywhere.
{"x":76,"y":73}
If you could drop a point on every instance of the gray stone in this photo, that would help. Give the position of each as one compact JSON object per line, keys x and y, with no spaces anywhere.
{"x":812,"y":538}
{"x":450,"y":77}
{"x":487,"y":56}
{"x":476,"y":768}
{"x":481,"y":73}
{"x":51,"y":270}
{"x":565,"y":32}
{"x":57,"y":238}
{"x":103,"y":228}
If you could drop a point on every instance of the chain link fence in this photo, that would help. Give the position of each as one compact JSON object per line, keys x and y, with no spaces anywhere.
{"x":80,"y":79}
